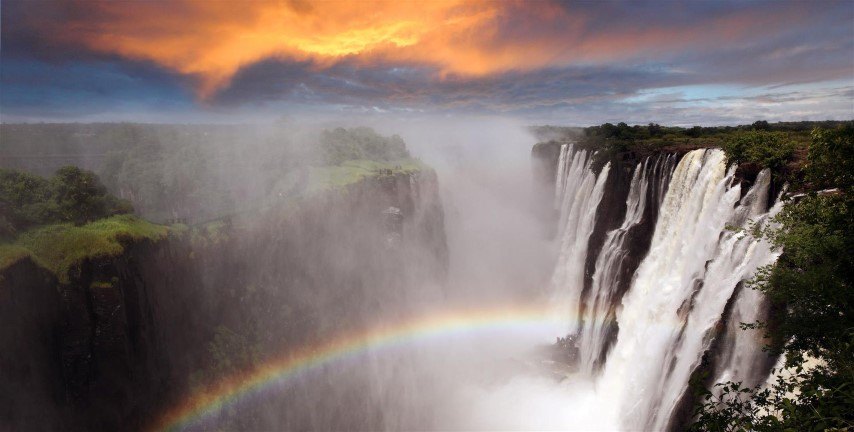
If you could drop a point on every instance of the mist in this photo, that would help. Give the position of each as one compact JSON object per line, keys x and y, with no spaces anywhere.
{"x":438,"y":216}
{"x":376,"y":273}
{"x":259,"y":283}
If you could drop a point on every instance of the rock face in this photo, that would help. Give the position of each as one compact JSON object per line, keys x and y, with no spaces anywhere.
{"x":30,"y":311}
{"x":128,"y":335}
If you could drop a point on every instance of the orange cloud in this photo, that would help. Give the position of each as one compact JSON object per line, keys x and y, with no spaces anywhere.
{"x":211,"y":40}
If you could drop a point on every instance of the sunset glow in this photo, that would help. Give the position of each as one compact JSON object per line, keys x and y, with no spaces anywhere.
{"x":452,"y":50}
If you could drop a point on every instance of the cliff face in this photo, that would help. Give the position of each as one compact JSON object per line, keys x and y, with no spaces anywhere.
{"x":127,"y":335}
{"x":30,"y":311}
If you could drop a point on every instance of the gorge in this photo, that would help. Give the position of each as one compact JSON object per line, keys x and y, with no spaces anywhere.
{"x":394,"y":294}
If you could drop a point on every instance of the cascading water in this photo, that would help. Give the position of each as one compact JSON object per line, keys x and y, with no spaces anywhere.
{"x":739,"y":360}
{"x":737,"y":257}
{"x":581,"y":192}
{"x":597,"y":320}
{"x":678,"y":296}
{"x":560,"y":178}
{"x":681,"y":289}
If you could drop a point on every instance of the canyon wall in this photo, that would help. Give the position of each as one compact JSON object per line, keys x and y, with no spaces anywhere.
{"x":108,"y":345}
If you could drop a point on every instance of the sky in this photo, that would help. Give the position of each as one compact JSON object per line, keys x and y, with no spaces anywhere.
{"x":548,"y":61}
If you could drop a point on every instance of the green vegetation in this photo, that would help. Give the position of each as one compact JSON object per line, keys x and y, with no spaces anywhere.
{"x":812,"y":288}
{"x":194,"y":173}
{"x":340,"y":145}
{"x":180,"y":174}
{"x":72,"y":195}
{"x":10,"y":254}
{"x":831,"y":158}
{"x":352,"y":171}
{"x":61,"y":221}
{"x":61,"y":247}
{"x":206,"y":234}
{"x":759,"y":147}
{"x":609,"y":139}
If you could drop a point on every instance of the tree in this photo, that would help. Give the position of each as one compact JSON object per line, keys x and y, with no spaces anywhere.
{"x":695,"y":132}
{"x":831,"y":158}
{"x":655,"y":130}
{"x":765,"y":149}
{"x":25,"y":200}
{"x":761,"y":125}
{"x":339,"y":145}
{"x":80,"y":196}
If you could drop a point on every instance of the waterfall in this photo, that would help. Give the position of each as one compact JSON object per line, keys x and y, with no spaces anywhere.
{"x":581,"y":191}
{"x":660,"y":311}
{"x":560,"y":177}
{"x":592,"y":335}
{"x":741,"y":358}
{"x":681,"y":288}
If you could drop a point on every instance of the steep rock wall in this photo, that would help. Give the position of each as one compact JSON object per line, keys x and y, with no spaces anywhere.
{"x":129,"y":335}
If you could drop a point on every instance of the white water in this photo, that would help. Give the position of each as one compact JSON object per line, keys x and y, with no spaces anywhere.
{"x":560,"y":178}
{"x":582,"y":191}
{"x":593,"y":333}
{"x":670,"y":314}
{"x":681,"y":288}
{"x":739,"y":358}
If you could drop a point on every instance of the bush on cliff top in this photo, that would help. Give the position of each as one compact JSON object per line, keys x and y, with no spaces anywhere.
{"x":339,"y":145}
{"x":72,"y":195}
{"x":61,"y":247}
{"x":766,"y":149}
{"x":353,"y":171}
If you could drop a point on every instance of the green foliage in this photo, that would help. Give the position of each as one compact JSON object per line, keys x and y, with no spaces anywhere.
{"x":831,"y":158}
{"x":72,"y":195}
{"x":352,"y":171}
{"x":10,"y":254}
{"x":340,"y":145}
{"x":61,"y":247}
{"x":812,"y":286}
{"x":25,"y":200}
{"x":193,"y":173}
{"x":766,"y":149}
{"x":814,"y":275}
{"x":761,"y":125}
{"x":799,"y":400}
{"x":211,"y":233}
{"x":80,"y":197}
{"x":610,"y":139}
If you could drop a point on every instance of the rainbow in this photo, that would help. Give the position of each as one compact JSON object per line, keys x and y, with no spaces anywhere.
{"x":308,"y":358}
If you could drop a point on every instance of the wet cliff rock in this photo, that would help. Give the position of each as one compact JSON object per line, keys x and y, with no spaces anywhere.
{"x":107,"y":346}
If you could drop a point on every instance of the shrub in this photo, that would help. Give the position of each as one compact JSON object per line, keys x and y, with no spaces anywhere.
{"x":765,"y":149}
{"x":340,"y":145}
{"x":72,"y":195}
{"x":831,"y":158}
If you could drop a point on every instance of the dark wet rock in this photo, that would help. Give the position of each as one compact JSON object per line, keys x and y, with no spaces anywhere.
{"x":120,"y":340}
